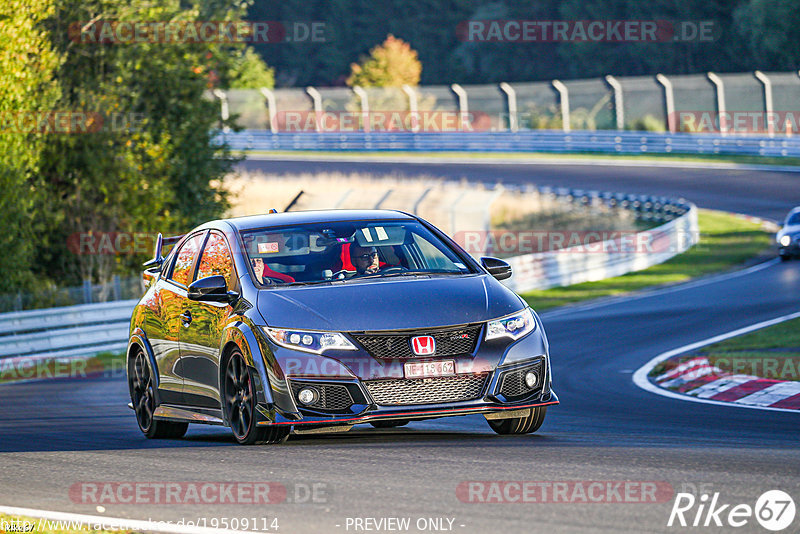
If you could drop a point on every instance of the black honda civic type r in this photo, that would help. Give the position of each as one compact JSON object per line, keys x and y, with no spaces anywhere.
{"x":315,"y":321}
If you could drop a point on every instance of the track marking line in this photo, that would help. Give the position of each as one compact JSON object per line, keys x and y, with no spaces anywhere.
{"x":118,"y":523}
{"x":641,"y":380}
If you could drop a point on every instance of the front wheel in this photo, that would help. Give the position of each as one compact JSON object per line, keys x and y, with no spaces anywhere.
{"x":240,"y":406}
{"x":143,"y":397}
{"x":520,"y":425}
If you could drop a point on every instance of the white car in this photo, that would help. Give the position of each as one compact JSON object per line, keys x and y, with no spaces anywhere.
{"x":789,"y":236}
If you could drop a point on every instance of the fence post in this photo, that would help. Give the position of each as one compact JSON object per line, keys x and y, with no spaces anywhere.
{"x":362,"y":96}
{"x":511,"y":105}
{"x":383,"y":198}
{"x":117,"y":288}
{"x":453,"y":207}
{"x":768,"y":109}
{"x":272,"y":109}
{"x":87,"y":291}
{"x":618,"y":103}
{"x":224,"y":112}
{"x":487,"y":218}
{"x":415,"y":209}
{"x":316,"y":98}
{"x":721,"y":108}
{"x":413,"y":109}
{"x":669,"y":102}
{"x":563,"y":97}
{"x":463,"y":106}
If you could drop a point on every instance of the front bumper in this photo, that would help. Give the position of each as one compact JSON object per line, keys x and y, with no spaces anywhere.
{"x":793,"y":249}
{"x":494,"y":398}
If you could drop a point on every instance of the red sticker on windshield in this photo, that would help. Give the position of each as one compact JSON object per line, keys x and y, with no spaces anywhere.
{"x":267,"y":248}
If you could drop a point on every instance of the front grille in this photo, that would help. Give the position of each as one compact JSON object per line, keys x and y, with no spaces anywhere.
{"x":403,"y":392}
{"x":332,"y":397}
{"x":449,"y":342}
{"x":512,"y":383}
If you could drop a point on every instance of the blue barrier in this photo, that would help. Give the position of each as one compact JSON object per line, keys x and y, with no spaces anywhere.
{"x":601,"y":142}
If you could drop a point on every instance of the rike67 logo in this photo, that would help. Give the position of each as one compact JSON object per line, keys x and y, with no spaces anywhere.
{"x":774,"y":510}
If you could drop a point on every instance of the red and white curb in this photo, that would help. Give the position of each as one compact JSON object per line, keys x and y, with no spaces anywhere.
{"x":698,"y":380}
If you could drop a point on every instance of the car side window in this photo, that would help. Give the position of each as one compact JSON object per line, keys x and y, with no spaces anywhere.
{"x":184,"y":260}
{"x":216,"y":259}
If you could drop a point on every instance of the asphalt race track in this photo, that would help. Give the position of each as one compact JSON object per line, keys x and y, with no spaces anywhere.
{"x":54,"y":435}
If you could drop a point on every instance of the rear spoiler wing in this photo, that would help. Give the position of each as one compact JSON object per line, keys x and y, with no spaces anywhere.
{"x":158,"y":258}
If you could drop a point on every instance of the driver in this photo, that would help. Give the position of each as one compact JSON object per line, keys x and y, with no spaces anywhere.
{"x":365,"y":259}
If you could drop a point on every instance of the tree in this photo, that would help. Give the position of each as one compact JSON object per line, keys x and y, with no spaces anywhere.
{"x":391,"y":64}
{"x":155,"y":164}
{"x":249,"y":71}
{"x":27,"y":89}
{"x":770,"y":29}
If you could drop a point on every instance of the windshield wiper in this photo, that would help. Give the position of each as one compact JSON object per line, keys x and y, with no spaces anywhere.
{"x":389,"y":275}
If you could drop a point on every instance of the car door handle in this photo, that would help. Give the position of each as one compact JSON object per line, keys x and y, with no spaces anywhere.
{"x":186,"y":318}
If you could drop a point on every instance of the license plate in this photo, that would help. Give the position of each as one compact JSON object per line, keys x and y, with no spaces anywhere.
{"x":428,"y":369}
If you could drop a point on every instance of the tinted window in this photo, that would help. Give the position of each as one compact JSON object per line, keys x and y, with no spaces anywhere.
{"x":216,"y":259}
{"x":793,"y":219}
{"x":320,"y":252}
{"x":182,"y":271}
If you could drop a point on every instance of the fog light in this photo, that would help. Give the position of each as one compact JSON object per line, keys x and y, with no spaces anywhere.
{"x":308,"y":396}
{"x":530,"y":379}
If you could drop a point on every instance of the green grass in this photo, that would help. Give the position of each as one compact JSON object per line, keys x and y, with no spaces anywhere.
{"x":687,"y":158}
{"x":772,"y":352}
{"x":726,"y":241}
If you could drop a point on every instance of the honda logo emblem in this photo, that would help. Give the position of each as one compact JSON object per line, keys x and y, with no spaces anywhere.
{"x":423,"y":345}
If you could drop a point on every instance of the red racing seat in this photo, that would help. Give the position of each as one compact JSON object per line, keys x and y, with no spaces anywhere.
{"x":269,"y":273}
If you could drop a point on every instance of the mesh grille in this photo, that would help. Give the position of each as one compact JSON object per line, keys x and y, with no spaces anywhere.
{"x":331,"y":396}
{"x":450,"y":342}
{"x":402,"y":392}
{"x":513,"y":384}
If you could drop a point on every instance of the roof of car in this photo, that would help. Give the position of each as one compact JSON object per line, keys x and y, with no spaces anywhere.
{"x":319,"y":216}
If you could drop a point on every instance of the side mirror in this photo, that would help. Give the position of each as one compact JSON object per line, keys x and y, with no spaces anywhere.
{"x":157,"y":262}
{"x":211,"y":289}
{"x":496,"y":267}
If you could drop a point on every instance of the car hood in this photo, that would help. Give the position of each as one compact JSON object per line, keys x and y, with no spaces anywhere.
{"x":390,"y":304}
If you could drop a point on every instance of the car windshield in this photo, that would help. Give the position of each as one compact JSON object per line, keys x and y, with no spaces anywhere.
{"x":326,"y":252}
{"x":793,"y":219}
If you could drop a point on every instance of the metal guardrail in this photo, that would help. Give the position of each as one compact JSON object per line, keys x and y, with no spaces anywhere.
{"x":615,"y":257}
{"x":64,"y":332}
{"x":601,"y":142}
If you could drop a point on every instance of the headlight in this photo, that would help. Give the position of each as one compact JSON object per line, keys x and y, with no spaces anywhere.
{"x":316,"y":342}
{"x":786,"y":241}
{"x":514,"y":326}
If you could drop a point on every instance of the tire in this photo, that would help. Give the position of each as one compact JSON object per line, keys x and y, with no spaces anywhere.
{"x":240,"y":406}
{"x":143,"y":397}
{"x":520,"y":425}
{"x":390,"y":424}
{"x":784,"y":257}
